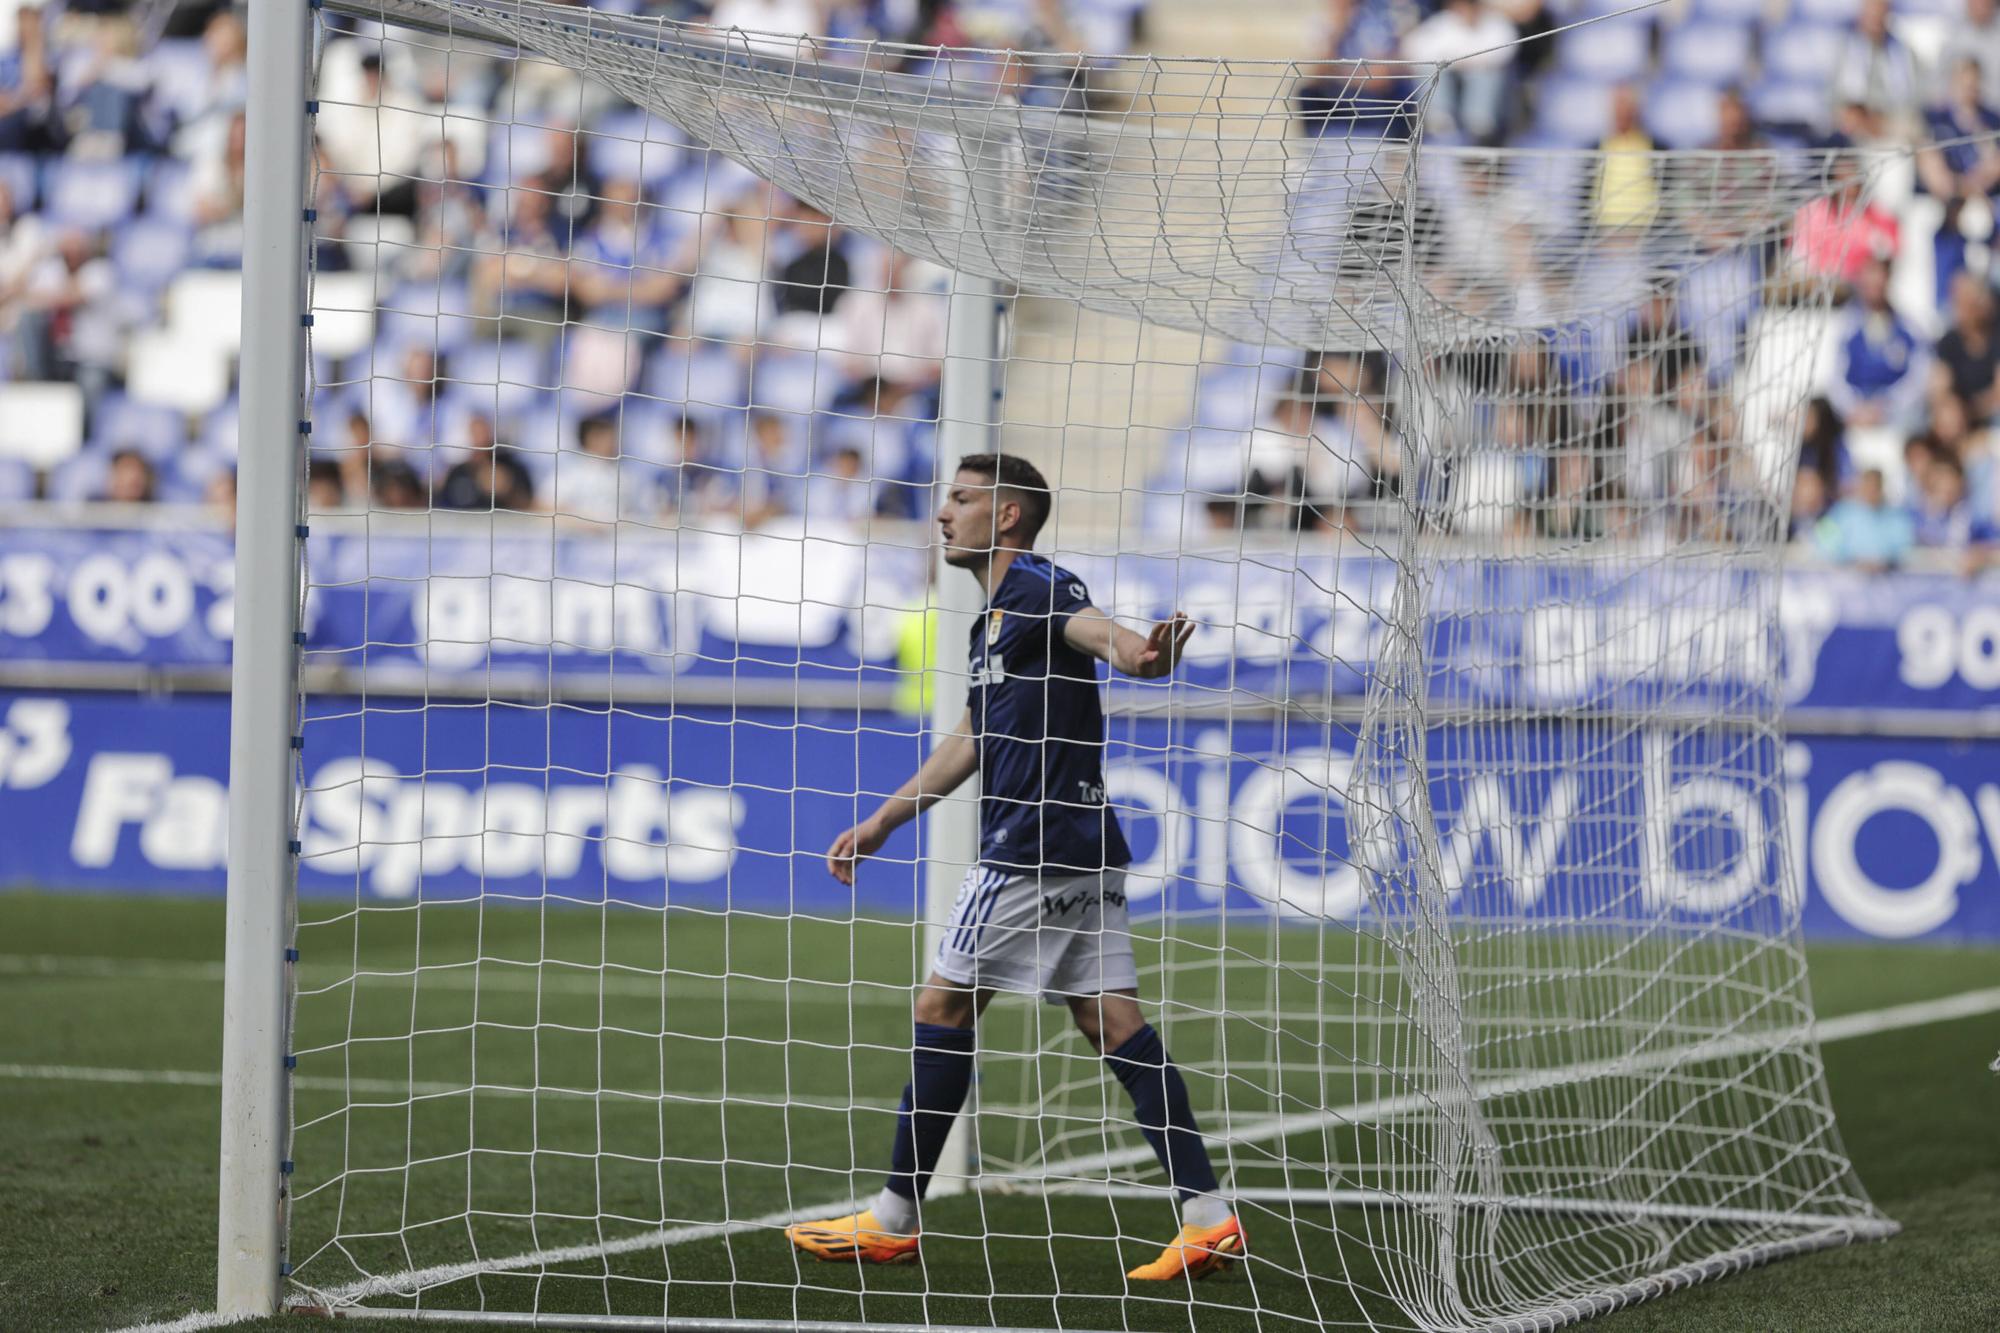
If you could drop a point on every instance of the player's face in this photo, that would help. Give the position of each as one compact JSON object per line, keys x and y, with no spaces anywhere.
{"x":966,"y":519}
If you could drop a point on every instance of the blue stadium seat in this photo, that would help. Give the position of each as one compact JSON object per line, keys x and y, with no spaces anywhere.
{"x":179,"y":72}
{"x":1572,"y":113}
{"x":1840,"y":12}
{"x":1802,"y":52}
{"x":1777,"y":104}
{"x":1681,"y":115}
{"x":17,"y":481}
{"x":18,"y":173}
{"x":633,"y":145}
{"x":1226,"y":397}
{"x":1731,"y":11}
{"x":1614,"y":51}
{"x":149,"y":251}
{"x":170,"y":189}
{"x":1717,"y":54}
{"x":120,"y":423}
{"x":91,"y":195}
{"x":79,"y":477}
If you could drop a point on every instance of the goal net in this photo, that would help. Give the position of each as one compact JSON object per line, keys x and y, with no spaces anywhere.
{"x":1462,"y":892}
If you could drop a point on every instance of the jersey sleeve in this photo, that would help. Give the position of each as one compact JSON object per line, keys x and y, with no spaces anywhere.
{"x":1070,"y":597}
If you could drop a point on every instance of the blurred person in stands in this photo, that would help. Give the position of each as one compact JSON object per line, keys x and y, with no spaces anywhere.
{"x":205,"y":126}
{"x":627,"y":266}
{"x":28,"y":122}
{"x":1627,"y":193}
{"x":325,"y":491}
{"x":1874,"y":69}
{"x":1865,"y":530}
{"x":839,"y":491}
{"x":1943,"y":516}
{"x":1960,"y":170}
{"x":129,"y":479}
{"x":1977,"y":36}
{"x":220,"y":496}
{"x":773,"y":484}
{"x":1840,"y":232}
{"x":491,"y":479}
{"x":24,"y":245}
{"x":1471,"y":97}
{"x":588,"y":478}
{"x":217,"y":185}
{"x":1968,"y":355}
{"x":1881,"y":368}
{"x":518,"y":275}
{"x":1823,"y":446}
{"x":72,"y":327}
{"x":1809,"y":505}
{"x":101,"y":92}
{"x":449,"y":210}
{"x":1356,"y":90}
{"x":396,"y":485}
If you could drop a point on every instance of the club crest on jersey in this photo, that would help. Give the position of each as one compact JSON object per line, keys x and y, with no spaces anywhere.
{"x":993,"y":626}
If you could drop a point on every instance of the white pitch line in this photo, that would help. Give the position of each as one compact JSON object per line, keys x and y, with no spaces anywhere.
{"x":401,"y":1088}
{"x":1894,"y":1018}
{"x":190,"y":1323}
{"x":497,"y":975}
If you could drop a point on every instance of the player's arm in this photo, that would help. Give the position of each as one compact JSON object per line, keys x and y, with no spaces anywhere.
{"x":1147,"y":656}
{"x":954,"y":759}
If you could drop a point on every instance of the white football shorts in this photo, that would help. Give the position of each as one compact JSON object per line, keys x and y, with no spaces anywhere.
{"x":1056,"y":936}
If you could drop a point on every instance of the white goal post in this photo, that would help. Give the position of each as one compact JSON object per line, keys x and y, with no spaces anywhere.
{"x":587,"y":584}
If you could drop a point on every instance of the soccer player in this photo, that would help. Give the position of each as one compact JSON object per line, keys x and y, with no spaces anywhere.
{"x":1044,"y":910}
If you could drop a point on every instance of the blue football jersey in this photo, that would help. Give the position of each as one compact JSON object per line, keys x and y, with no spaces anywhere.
{"x":1040,"y":727}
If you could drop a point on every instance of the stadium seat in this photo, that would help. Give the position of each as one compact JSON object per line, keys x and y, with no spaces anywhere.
{"x":343,"y":313}
{"x":91,"y":195}
{"x":1731,"y":11}
{"x":1611,"y":52}
{"x":1681,"y":115}
{"x":1572,"y":113}
{"x":1781,"y":104}
{"x":205,"y":306}
{"x":118,"y":422}
{"x":17,"y":481}
{"x":78,"y":478}
{"x":172,"y":370}
{"x":19,"y":174}
{"x":180,"y":74}
{"x":1226,"y":398}
{"x":375,"y":239}
{"x":149,"y":251}
{"x":1717,"y":54}
{"x":633,"y":145}
{"x":789,"y":382}
{"x":1802,"y":52}
{"x":41,"y":423}
{"x":1838,"y":12}
{"x":169,"y":189}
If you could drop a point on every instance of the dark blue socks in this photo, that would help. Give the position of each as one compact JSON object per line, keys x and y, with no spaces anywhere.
{"x":940,"y":1076}
{"x":1160,"y":1096}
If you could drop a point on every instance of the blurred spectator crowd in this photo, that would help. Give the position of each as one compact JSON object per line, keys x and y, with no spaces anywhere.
{"x":534,"y":296}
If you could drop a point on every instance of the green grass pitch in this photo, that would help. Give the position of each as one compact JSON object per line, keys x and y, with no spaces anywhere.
{"x":109,"y":1038}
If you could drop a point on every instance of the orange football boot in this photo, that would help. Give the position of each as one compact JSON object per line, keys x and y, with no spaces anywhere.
{"x":1195,"y":1254}
{"x":855,"y":1239}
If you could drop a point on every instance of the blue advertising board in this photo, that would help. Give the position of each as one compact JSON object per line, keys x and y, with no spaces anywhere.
{"x":704,"y":604}
{"x":1894,"y":839}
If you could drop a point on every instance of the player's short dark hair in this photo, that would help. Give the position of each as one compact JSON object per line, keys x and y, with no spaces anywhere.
{"x":1017,"y":474}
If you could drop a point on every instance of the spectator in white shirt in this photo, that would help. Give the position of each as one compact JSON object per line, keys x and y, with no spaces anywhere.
{"x":1471,"y":98}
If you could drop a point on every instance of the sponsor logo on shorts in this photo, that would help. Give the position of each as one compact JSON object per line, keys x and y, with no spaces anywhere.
{"x":1079,"y":900}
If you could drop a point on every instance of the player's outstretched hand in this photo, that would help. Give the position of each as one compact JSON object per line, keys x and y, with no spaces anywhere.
{"x":1162,"y":652}
{"x":851,"y":848}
